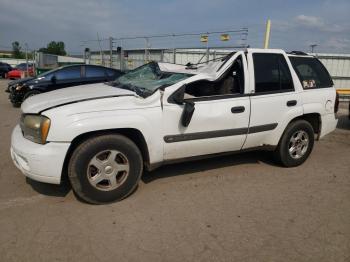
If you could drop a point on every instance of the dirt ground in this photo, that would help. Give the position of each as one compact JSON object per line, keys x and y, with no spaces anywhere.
{"x":235,"y":208}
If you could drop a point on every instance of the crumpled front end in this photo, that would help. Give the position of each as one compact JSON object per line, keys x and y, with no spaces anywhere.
{"x":40,"y":162}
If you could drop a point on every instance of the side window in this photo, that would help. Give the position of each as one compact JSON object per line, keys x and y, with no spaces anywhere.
{"x":94,"y":71}
{"x":21,"y":66}
{"x":231,"y":83}
{"x":311,"y":72}
{"x":68,"y":73}
{"x":271,"y":73}
{"x":110,"y":72}
{"x":47,"y":76}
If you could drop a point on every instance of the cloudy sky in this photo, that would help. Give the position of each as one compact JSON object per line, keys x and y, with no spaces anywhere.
{"x":295,"y":24}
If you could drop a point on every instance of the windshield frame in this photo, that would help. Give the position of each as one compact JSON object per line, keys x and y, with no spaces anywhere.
{"x":143,"y":91}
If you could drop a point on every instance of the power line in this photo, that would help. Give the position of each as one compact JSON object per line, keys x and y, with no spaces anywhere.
{"x":243,"y":31}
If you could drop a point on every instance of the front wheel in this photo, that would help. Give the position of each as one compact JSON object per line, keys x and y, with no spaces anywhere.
{"x":105,"y":168}
{"x":296,"y":144}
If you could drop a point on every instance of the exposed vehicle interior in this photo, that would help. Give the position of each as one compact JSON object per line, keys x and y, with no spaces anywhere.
{"x":231,"y":82}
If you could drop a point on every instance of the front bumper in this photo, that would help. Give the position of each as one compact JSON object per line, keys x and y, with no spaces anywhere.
{"x":10,"y":87}
{"x":16,"y":97}
{"x":42,"y":163}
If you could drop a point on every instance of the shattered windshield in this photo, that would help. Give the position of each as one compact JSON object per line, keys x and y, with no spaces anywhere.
{"x":146,"y":79}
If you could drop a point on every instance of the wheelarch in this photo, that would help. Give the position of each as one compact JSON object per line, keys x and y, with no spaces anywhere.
{"x":133,"y":134}
{"x":28,"y":90}
{"x":314,"y":119}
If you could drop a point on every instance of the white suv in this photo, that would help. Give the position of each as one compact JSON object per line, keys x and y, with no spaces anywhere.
{"x":103,"y":135}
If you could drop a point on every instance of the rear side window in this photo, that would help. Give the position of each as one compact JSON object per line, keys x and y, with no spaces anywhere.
{"x":271,"y":73}
{"x":22,"y":66}
{"x":94,"y":71}
{"x":68,"y":73}
{"x":311,"y":72}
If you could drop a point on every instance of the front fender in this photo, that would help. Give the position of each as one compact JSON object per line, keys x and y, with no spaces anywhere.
{"x":147,"y":121}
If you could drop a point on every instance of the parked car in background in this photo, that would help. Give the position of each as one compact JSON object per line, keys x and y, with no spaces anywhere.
{"x":17,"y":72}
{"x":4,"y":69}
{"x":104,"y":135}
{"x":58,"y":78}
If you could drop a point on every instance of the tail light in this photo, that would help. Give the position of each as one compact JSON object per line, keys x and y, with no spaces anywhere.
{"x":336,"y":104}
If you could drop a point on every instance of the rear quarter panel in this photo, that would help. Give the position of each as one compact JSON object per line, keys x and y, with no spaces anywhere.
{"x":321,"y":101}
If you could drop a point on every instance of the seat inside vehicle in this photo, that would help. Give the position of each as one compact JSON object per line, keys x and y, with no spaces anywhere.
{"x":231,"y":82}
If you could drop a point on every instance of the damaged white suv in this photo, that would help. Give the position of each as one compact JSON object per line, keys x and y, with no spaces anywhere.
{"x":103,"y":135}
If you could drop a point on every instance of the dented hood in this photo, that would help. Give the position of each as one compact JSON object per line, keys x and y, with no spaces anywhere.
{"x":39,"y":103}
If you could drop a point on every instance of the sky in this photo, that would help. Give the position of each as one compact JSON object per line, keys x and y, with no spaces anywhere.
{"x":295,"y":24}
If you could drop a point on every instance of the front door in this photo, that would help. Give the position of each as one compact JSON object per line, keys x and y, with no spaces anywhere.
{"x":220,"y":119}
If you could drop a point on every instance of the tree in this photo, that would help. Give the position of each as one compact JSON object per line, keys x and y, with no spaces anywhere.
{"x":16,"y":50}
{"x":55,"y":48}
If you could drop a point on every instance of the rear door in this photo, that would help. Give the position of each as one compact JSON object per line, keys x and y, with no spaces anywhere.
{"x":319,"y":94}
{"x":95,"y":74}
{"x":274,"y":101}
{"x":113,"y":74}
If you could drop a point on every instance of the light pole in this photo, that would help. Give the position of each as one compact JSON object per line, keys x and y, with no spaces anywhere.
{"x":267,"y":34}
{"x":312,"y":46}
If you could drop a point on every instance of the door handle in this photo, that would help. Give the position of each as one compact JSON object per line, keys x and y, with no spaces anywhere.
{"x":291,"y":102}
{"x":237,"y":109}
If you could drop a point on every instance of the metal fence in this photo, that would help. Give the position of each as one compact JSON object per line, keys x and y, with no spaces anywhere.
{"x":337,"y":64}
{"x":130,"y":59}
{"x":127,"y":53}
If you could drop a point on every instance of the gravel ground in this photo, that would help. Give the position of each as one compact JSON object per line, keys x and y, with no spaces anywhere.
{"x":235,"y":208}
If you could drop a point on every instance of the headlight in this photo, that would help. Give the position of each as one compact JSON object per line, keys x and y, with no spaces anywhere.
{"x":35,"y":127}
{"x":19,"y":87}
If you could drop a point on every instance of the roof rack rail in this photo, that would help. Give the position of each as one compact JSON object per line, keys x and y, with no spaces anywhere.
{"x":297,"y":53}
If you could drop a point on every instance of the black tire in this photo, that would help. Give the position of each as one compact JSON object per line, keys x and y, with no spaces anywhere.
{"x":85,"y":152}
{"x":17,"y":105}
{"x":282,"y":154}
{"x":31,"y":93}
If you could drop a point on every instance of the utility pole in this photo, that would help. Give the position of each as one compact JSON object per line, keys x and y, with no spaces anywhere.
{"x":34,"y":62}
{"x":121,"y":62}
{"x":87,"y":55}
{"x":147,"y":54}
{"x":174,"y":50}
{"x":267,"y":34}
{"x":208,"y":49}
{"x":110,"y":52}
{"x":26,"y":51}
{"x":101,"y":52}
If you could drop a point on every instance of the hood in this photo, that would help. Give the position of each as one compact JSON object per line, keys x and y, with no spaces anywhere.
{"x":39,"y":103}
{"x":20,"y":81}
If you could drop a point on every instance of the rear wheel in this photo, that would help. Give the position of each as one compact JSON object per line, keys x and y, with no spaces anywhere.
{"x":296,"y":144}
{"x":105,"y":168}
